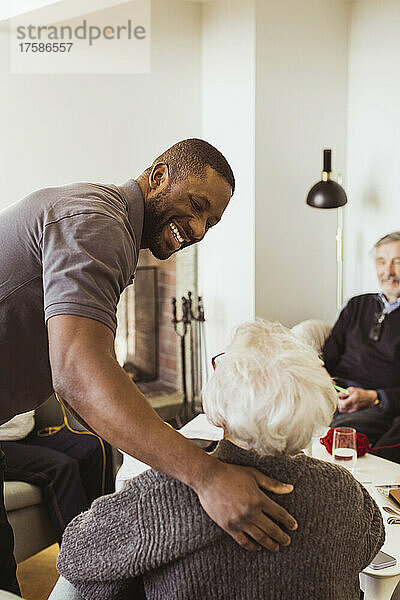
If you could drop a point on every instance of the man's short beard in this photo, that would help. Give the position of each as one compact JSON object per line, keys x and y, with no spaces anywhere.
{"x":390,"y":279}
{"x":395,"y":280}
{"x":154,"y":223}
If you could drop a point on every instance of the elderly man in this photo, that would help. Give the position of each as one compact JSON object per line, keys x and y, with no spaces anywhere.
{"x":362,"y":353}
{"x":66,"y":255}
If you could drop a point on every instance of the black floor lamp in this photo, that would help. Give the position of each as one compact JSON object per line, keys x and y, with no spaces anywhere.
{"x":328,"y":193}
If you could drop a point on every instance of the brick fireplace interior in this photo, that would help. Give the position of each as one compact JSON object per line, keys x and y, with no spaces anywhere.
{"x":146,"y":342}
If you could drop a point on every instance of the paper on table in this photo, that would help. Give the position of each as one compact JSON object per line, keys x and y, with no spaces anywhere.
{"x":201,"y":428}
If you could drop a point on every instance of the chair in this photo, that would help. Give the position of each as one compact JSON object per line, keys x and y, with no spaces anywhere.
{"x":23,"y":501}
{"x":8,"y":595}
{"x":312,"y":331}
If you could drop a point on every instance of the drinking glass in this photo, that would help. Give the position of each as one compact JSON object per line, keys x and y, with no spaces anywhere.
{"x":344,"y":448}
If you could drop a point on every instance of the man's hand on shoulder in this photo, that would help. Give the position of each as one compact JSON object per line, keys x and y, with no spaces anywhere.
{"x":96,"y":387}
{"x":356,"y":399}
{"x":232,"y":497}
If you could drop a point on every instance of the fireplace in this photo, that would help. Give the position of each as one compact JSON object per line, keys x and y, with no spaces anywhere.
{"x":146,"y":342}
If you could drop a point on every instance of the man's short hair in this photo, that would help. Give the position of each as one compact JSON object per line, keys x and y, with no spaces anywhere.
{"x":270,"y":391}
{"x":386,"y":239}
{"x":190,"y":157}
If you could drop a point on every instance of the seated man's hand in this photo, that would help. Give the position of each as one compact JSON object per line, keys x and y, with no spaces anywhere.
{"x":356,"y":399}
{"x":232,"y":497}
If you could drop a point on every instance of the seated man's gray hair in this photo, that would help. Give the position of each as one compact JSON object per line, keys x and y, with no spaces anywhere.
{"x":389,"y":237}
{"x":270,"y":391}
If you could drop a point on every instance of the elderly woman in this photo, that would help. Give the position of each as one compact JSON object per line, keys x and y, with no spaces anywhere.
{"x":270,"y":394}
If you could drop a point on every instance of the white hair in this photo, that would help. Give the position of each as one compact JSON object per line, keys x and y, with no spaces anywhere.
{"x":386,"y":239}
{"x":313,"y":332}
{"x":269,"y":391}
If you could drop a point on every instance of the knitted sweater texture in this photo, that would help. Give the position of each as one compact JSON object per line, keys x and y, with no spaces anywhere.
{"x":156,"y":527}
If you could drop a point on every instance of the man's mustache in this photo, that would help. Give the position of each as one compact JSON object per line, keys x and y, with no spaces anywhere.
{"x":392,"y":279}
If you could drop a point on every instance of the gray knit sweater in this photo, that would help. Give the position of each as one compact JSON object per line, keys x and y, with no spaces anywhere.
{"x":156,"y":527}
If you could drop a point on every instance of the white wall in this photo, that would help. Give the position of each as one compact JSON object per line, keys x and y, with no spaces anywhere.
{"x":374,"y":137}
{"x":52,"y":11}
{"x":301,"y":104}
{"x":60,"y":128}
{"x":266,"y":82}
{"x":226,"y":256}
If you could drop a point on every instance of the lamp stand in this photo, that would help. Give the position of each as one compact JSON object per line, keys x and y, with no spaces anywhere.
{"x":339,"y":258}
{"x":328,"y":193}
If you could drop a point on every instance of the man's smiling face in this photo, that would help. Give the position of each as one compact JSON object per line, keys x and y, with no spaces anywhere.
{"x":387,"y":261}
{"x":179,"y":213}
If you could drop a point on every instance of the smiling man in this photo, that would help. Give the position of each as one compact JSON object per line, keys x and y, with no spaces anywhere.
{"x":184,"y":196}
{"x":67,"y":253}
{"x":363,"y":354}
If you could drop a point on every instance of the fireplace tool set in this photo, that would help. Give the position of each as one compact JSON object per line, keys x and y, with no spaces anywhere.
{"x":190,"y":328}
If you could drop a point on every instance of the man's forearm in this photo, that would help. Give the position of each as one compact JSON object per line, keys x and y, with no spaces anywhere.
{"x":103,"y":395}
{"x":390,"y":400}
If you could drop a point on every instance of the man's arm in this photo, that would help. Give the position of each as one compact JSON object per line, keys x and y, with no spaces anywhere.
{"x":390,"y":400}
{"x":65,"y":404}
{"x":86,"y":374}
{"x":357,"y":398}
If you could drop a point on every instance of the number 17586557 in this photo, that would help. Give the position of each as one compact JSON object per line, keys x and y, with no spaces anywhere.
{"x":45,"y":47}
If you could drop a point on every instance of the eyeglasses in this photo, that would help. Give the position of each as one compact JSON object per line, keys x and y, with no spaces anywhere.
{"x":375,"y":331}
{"x":214,"y":358}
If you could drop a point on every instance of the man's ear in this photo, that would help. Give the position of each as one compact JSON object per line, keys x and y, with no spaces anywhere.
{"x":159,"y":176}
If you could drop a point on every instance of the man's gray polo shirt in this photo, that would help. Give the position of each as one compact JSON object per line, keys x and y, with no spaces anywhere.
{"x":63,"y":250}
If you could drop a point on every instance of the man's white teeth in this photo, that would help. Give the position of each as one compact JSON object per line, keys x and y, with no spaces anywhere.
{"x":176,"y":233}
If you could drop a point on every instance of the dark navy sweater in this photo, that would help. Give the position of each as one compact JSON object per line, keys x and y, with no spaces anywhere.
{"x":352,"y":358}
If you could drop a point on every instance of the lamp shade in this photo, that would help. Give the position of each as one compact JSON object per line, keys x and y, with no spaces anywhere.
{"x":327,"y":193}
